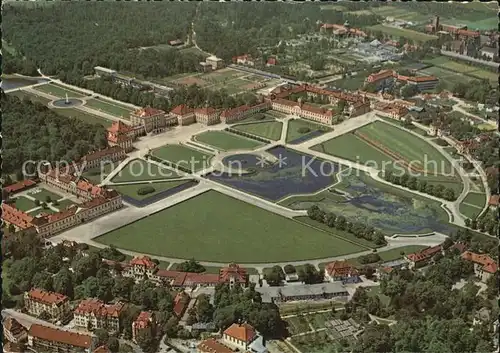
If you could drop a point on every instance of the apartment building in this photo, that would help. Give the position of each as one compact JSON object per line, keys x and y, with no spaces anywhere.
{"x":48,"y":339}
{"x":13,"y":331}
{"x":484,"y":266}
{"x":94,"y":314}
{"x":37,"y":301}
{"x":145,"y":321}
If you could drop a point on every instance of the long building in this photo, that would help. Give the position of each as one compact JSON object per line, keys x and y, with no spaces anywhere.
{"x":385,"y":78}
{"x":320,"y":291}
{"x":48,"y":339}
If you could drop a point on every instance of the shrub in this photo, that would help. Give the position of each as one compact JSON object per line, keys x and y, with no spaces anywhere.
{"x":259,"y":117}
{"x":146,"y":190}
{"x":289,"y":269}
{"x":303,"y":130}
{"x":441,"y":142}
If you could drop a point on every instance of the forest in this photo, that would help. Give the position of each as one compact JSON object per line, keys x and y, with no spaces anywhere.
{"x":34,"y":132}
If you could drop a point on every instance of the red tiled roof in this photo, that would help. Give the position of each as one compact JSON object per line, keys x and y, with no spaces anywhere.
{"x":192,"y":279}
{"x":98,"y":308}
{"x":20,"y":185}
{"x":272,"y":61}
{"x":468,"y":33}
{"x":119,"y":126}
{"x":45,"y":297}
{"x":424,"y":254}
{"x":144,"y":319}
{"x":417,"y":78}
{"x":101,"y":154}
{"x":242,"y":332}
{"x":102,"y":349}
{"x":233,"y":271}
{"x":182,"y":110}
{"x":142,"y":261}
{"x":148,"y":112}
{"x":494,"y":199}
{"x":205,"y":111}
{"x":380,"y":75}
{"x":54,"y":335}
{"x":212,"y":346}
{"x":489,"y":265}
{"x":234,"y":111}
{"x":17,"y":217}
{"x":181,"y":302}
{"x":340,"y":268}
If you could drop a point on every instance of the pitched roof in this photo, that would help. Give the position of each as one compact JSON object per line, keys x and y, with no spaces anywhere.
{"x":17,"y":217}
{"x":489,"y":265}
{"x":20,"y":185}
{"x":148,"y":112}
{"x":144,"y":319}
{"x":98,"y":308}
{"x":494,"y":199}
{"x":424,"y":254}
{"x":233,"y":271}
{"x":182,"y":110}
{"x":181,"y":301}
{"x":142,"y":261}
{"x":205,"y":111}
{"x":212,"y":346}
{"x":340,"y":268}
{"x":380,"y":75}
{"x":242,"y":332}
{"x":119,"y":126}
{"x":101,"y":154}
{"x":55,"y":335}
{"x":45,"y":297}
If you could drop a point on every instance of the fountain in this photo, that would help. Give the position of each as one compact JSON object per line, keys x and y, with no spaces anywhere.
{"x":67,"y":102}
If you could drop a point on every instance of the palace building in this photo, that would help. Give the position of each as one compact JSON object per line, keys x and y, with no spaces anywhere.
{"x":183,"y":114}
{"x":122,"y":135}
{"x":96,"y":159}
{"x":229,"y":116}
{"x":150,"y":119}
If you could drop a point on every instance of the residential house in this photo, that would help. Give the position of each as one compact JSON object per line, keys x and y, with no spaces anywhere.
{"x":271,"y":62}
{"x":244,"y":59}
{"x":140,"y":268}
{"x":94,"y":314}
{"x":422,"y":257}
{"x":243,"y":337}
{"x":341,"y":271}
{"x":493,"y":201}
{"x":390,"y":110}
{"x":145,"y":321}
{"x":484,"y":266}
{"x":37,"y":301}
{"x":13,"y":331}
{"x":48,"y":339}
{"x":233,"y":274}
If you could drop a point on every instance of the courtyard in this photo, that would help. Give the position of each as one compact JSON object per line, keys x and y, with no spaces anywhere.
{"x":232,"y":231}
{"x":226,"y":141}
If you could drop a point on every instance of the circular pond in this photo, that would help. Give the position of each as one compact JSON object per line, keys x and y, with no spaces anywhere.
{"x":67,"y":103}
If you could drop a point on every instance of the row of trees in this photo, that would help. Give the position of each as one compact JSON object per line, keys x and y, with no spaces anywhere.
{"x":413,"y":183}
{"x":32,"y":132}
{"x":360,"y":230}
{"x":307,"y":274}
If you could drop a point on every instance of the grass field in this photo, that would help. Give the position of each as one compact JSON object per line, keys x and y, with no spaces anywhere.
{"x":449,"y":78}
{"x":41,"y":194}
{"x":131,"y":189}
{"x":400,"y":32}
{"x":476,"y":199}
{"x":59,"y":91}
{"x":231,"y":231}
{"x":226,"y":141}
{"x":267,"y":129}
{"x":22,"y":203}
{"x":33,"y":98}
{"x":472,"y":205}
{"x":109,"y":107}
{"x":86,"y":117}
{"x":139,"y":169}
{"x":97,"y":175}
{"x":64,"y":204}
{"x":375,"y":291}
{"x":183,"y":156}
{"x":295,"y":124}
{"x":351,"y":83}
{"x":469,"y":211}
{"x":461,"y":68}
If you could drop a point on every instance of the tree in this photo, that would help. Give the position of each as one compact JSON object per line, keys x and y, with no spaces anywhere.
{"x":449,"y":194}
{"x":63,"y":282}
{"x":113,"y":344}
{"x":289,"y":269}
{"x":146,"y":341}
{"x":409,"y":90}
{"x":102,"y":337}
{"x":309,"y":274}
{"x":275,"y":277}
{"x":190,"y":266}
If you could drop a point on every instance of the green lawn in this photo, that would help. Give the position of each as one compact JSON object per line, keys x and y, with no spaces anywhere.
{"x":476,"y":199}
{"x":64,"y":204}
{"x":351,"y":83}
{"x":139,"y":169}
{"x":22,"y":203}
{"x":400,"y":32}
{"x":97,"y":175}
{"x":469,"y":211}
{"x":183,"y":156}
{"x":109,"y":107}
{"x":391,"y":255}
{"x":268,"y":129}
{"x":296,"y":124}
{"x":231,"y":231}
{"x":83,"y":116}
{"x":226,"y":141}
{"x":131,"y":189}
{"x":41,"y":194}
{"x":254,"y":118}
{"x":375,"y":291}
{"x":59,"y":91}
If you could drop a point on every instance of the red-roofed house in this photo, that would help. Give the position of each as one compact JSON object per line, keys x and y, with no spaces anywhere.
{"x":381,"y":79}
{"x":184,"y":114}
{"x":422,"y":257}
{"x":484,"y":266}
{"x":145,"y":321}
{"x":19,"y":186}
{"x":181,"y":302}
{"x":48,"y":339}
{"x":37,"y":301}
{"x":244,"y":59}
{"x":120,"y":134}
{"x":233,"y":274}
{"x":212,"y":346}
{"x":19,"y":219}
{"x":493,"y":201}
{"x":140,"y":268}
{"x":94,"y":314}
{"x":150,"y":119}
{"x":422,"y":82}
{"x":341,"y":271}
{"x":271,"y":62}
{"x":239,"y":336}
{"x":13,"y":331}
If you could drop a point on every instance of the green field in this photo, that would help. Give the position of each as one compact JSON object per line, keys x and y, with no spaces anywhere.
{"x":268,"y":129}
{"x":139,"y":170}
{"x":64,"y":204}
{"x":226,"y":141}
{"x":469,"y":211}
{"x":461,"y":68}
{"x":231,"y":231}
{"x":351,"y":83}
{"x":59,"y":91}
{"x":473,"y":204}
{"x":23,"y":203}
{"x":109,"y":107}
{"x":131,"y":189}
{"x":97,"y":175}
{"x":295,"y":124}
{"x":83,"y":116}
{"x":400,"y":32}
{"x":183,"y":156}
{"x":41,"y":194}
{"x":32,"y":97}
